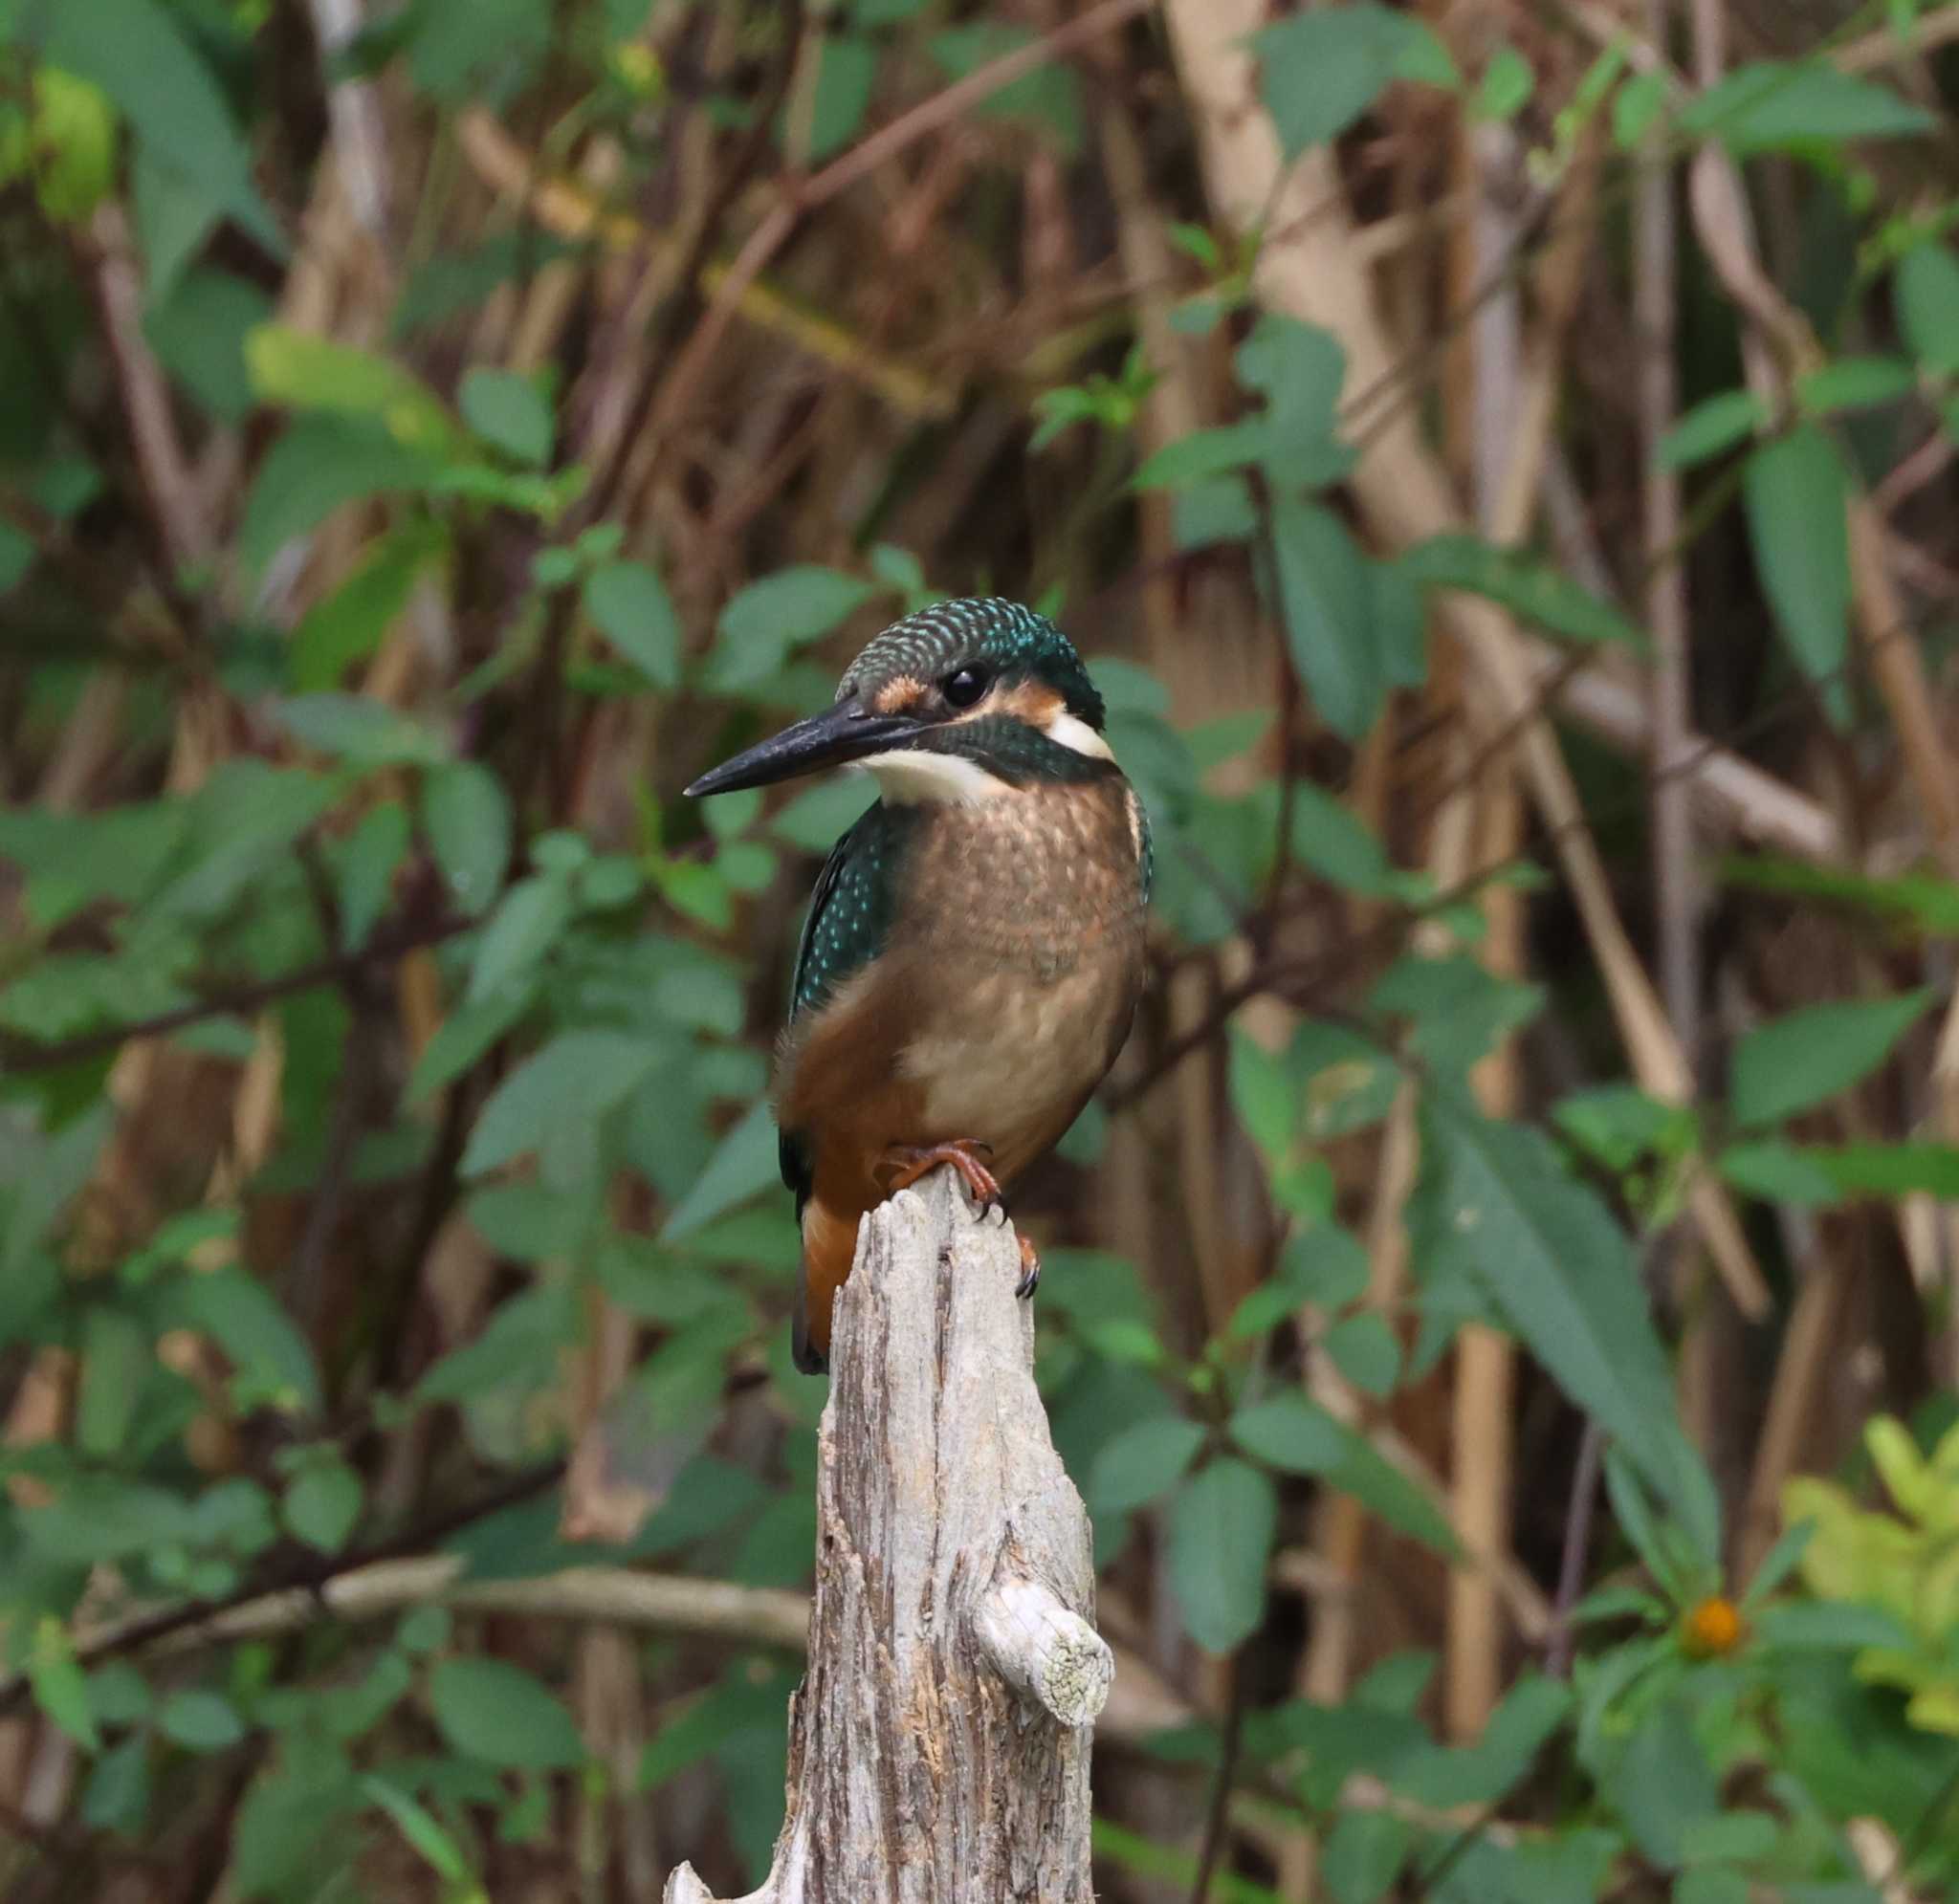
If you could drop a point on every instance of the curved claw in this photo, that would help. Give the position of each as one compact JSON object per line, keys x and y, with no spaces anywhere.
{"x":1030,"y":1271}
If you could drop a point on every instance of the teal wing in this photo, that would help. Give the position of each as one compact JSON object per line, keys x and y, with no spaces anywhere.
{"x":849,"y":917}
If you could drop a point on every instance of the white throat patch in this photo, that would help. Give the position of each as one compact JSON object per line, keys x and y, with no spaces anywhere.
{"x":916,"y":777}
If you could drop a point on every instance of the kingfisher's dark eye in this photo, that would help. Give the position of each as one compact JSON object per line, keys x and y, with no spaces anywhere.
{"x":965,"y":688}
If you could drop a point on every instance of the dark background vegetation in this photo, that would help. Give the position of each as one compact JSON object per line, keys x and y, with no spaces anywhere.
{"x":1498,"y":456}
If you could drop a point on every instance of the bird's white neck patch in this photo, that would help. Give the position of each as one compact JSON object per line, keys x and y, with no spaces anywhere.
{"x":918,"y":776}
{"x":1072,"y":732}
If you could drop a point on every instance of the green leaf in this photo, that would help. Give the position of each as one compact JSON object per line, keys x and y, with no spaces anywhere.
{"x":351,"y":624}
{"x":1831,"y":1627}
{"x":1325,"y":593}
{"x":1797,"y":493}
{"x":491,"y":1711}
{"x":59,"y":1687}
{"x":1212,"y":510}
{"x":524,"y":927}
{"x":629,"y":604}
{"x":1715,"y":423}
{"x":510,"y":413}
{"x":1927,"y":292}
{"x":1505,"y":87}
{"x":1202,"y":456}
{"x":1854,"y":384}
{"x":417,"y":1824}
{"x":518,"y":1348}
{"x":1778,"y":1173}
{"x":1531,"y":590}
{"x":462,"y":1038}
{"x":1363,"y":1855}
{"x":844,"y":76}
{"x":136,"y":52}
{"x":352,"y":728}
{"x":579,"y":1075}
{"x":1492,"y":1199}
{"x":117,"y":1796}
{"x":273,"y":1362}
{"x":1298,"y":369}
{"x":744,"y":1161}
{"x":468,"y":819}
{"x":1324,"y":69}
{"x":1265,"y":1094}
{"x":1141,"y":1463}
{"x":1890,"y":1169}
{"x":303,"y":371}
{"x":200,"y":1721}
{"x":324,"y":1504}
{"x":321,"y":463}
{"x":1222,"y":1523}
{"x":769,"y":618}
{"x":115,"y":1359}
{"x":1811,"y":1055}
{"x":198,"y":329}
{"x":1367,"y":1351}
{"x":1921,"y":900}
{"x":1775,"y":105}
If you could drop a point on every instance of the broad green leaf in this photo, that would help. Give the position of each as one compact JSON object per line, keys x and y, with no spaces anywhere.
{"x":524,"y":927}
{"x":1365,"y":1350}
{"x":1531,"y":590}
{"x":139,"y":55}
{"x":579,"y":1074}
{"x":1290,"y":1432}
{"x":743,"y":1163}
{"x":321,"y":463}
{"x":1778,"y":1173}
{"x":1890,"y":1169}
{"x":1265,"y":1094}
{"x":629,"y":604}
{"x":1222,"y":1523}
{"x":1715,"y":423}
{"x":1298,"y":369}
{"x":352,"y":728}
{"x":817,"y":819}
{"x":1774,"y":105}
{"x":324,"y":1504}
{"x":351,"y":624}
{"x":1505,"y":87}
{"x":1927,"y":290}
{"x":463,"y":1037}
{"x":1212,"y":510}
{"x":845,"y":75}
{"x":1363,"y":1855}
{"x":1324,"y":69}
{"x":59,"y":1686}
{"x":510,"y":413}
{"x":517,"y":1349}
{"x":200,"y":1721}
{"x":302,"y":371}
{"x":198,"y":331}
{"x":272,"y":1360}
{"x":1203,"y":455}
{"x":1141,"y":1463}
{"x":1326,"y":597}
{"x":1809,"y":1056}
{"x":1854,"y":384}
{"x":1797,"y":493}
{"x":1492,"y":1200}
{"x":468,"y":819}
{"x":1921,"y":900}
{"x":491,"y":1711}
{"x":117,"y":1795}
{"x":115,"y":1359}
{"x":769,"y":618}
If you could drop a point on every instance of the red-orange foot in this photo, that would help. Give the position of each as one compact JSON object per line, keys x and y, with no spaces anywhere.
{"x":1030,"y":1271}
{"x":907,"y":1163}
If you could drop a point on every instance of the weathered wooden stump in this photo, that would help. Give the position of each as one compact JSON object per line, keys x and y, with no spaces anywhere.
{"x":938,"y":1748}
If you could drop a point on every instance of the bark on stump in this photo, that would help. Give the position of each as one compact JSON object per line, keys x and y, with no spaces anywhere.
{"x":938,"y":1747}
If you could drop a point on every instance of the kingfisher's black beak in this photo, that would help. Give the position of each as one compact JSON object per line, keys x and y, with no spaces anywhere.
{"x":843,"y":733}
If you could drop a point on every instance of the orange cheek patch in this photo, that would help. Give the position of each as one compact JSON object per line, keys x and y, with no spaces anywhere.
{"x":898,"y":695}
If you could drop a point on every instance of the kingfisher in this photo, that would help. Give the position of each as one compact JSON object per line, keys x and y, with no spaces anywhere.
{"x":974,"y":949}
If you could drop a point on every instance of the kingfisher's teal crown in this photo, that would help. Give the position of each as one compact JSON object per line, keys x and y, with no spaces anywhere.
{"x":987,"y":631}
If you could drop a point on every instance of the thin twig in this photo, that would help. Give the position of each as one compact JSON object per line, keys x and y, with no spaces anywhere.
{"x":1574,"y":1558}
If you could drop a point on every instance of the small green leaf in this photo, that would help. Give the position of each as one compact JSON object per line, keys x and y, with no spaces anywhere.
{"x":1774,"y":105}
{"x":200,"y":1721}
{"x":1854,"y":384}
{"x":1715,"y":423}
{"x":510,"y":413}
{"x":1531,"y":590}
{"x":468,"y":817}
{"x":769,"y":618}
{"x":324,"y":1504}
{"x":1927,"y":289}
{"x":524,"y":927}
{"x":1796,"y":495}
{"x":845,"y":73}
{"x":1363,"y":1855}
{"x":491,"y":1711}
{"x":1366,"y":1351}
{"x":352,"y":728}
{"x":1324,"y":68}
{"x":321,"y":463}
{"x":1141,"y":1463}
{"x":1325,"y":592}
{"x":1811,"y":1055}
{"x":629,"y":604}
{"x":417,"y":1824}
{"x":1222,"y":1523}
{"x":1778,"y":1173}
{"x":1293,"y":1434}
{"x":115,"y":1359}
{"x":744,"y":1161}
{"x":1505,"y":87}
{"x":59,"y":1687}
